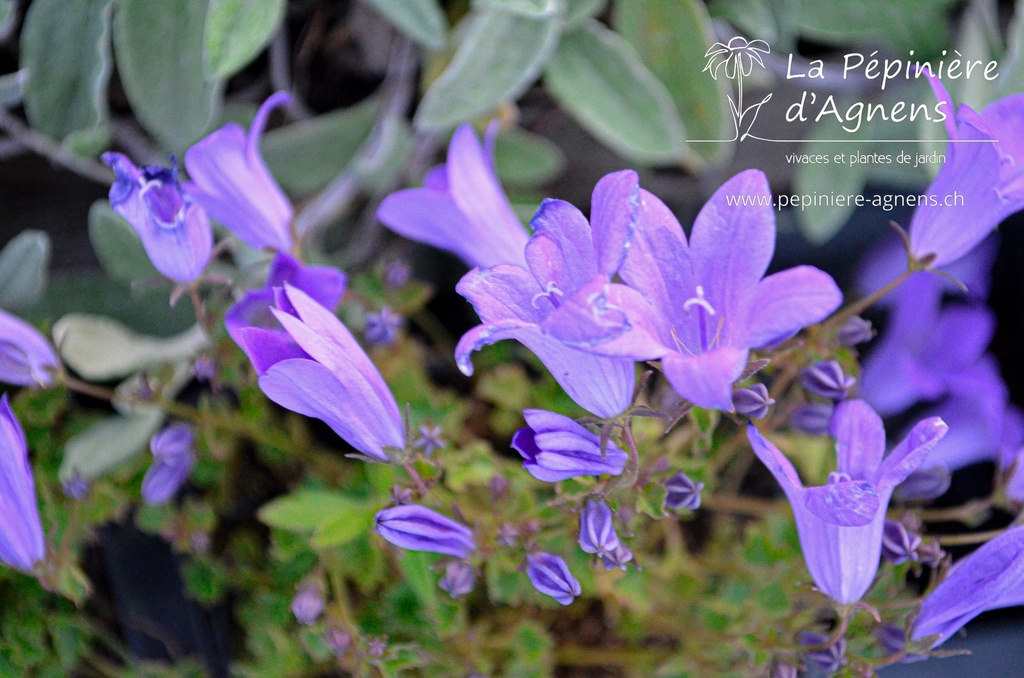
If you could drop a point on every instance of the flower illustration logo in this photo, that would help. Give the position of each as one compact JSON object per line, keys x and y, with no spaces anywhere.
{"x":736,"y":60}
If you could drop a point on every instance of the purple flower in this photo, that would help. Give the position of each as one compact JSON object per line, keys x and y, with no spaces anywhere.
{"x":252,"y":313}
{"x":927,"y":482}
{"x":26,"y":357}
{"x":417,"y":528}
{"x":701,"y":306}
{"x":458,"y":579}
{"x":322,"y":372}
{"x":814,"y":418}
{"x":397,"y":274}
{"x":990,"y":578}
{"x":826,"y":379}
{"x":855,"y":331}
{"x":338,"y":641}
{"x":781,"y":669}
{"x":899,"y":545}
{"x":560,"y":301}
{"x":308,"y":605}
{"x":461,"y":208}
{"x":174,"y":229}
{"x":926,"y":351}
{"x":618,"y":558}
{"x":75,"y":487}
{"x":985,"y":173}
{"x":840,"y":524}
{"x":682,"y":492}
{"x":21,"y":532}
{"x":551,"y":576}
{"x":430,"y":440}
{"x":382,"y":328}
{"x":556,"y":448}
{"x":597,"y":533}
{"x":231,"y":181}
{"x":828,"y":659}
{"x":173,"y":458}
{"x":752,"y":401}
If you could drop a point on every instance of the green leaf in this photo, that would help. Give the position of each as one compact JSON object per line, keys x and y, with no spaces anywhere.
{"x":578,"y":11}
{"x":117,"y":245}
{"x":238,"y":30}
{"x":159,"y":48}
{"x":23,"y":270}
{"x":597,"y":77}
{"x":342,"y":527}
{"x":12,"y":86}
{"x":109,"y":443}
{"x":672,"y":36}
{"x":421,"y":20}
{"x":305,"y":510}
{"x":481,"y":76}
{"x":65,"y":51}
{"x":770,"y":20}
{"x":921,"y":25}
{"x":415,"y":566}
{"x":102,"y":349}
{"x":1011,"y":73}
{"x":526,"y":159}
{"x":305,"y":156}
{"x":532,"y":651}
{"x":534,"y":8}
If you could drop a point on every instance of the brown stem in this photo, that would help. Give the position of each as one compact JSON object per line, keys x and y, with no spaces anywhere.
{"x":42,"y":145}
{"x":969,"y":537}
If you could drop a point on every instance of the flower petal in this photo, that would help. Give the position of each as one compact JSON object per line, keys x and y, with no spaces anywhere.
{"x":850,"y":503}
{"x":860,"y":439}
{"x":785,"y":302}
{"x":706,"y":379}
{"x":910,"y":453}
{"x":561,"y":251}
{"x":614,"y":208}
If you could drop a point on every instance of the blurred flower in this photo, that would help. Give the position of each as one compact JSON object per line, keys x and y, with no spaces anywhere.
{"x":891,"y":638}
{"x":75,"y":487}
{"x":930,"y":553}
{"x":382,"y":328}
{"x":461,"y":208}
{"x":430,"y":439}
{"x":840,"y":524}
{"x":985,"y":173}
{"x":828,"y":659}
{"x":555,"y":448}
{"x":173,"y":458}
{"x":417,"y":528}
{"x":618,"y":558}
{"x":397,"y":274}
{"x":814,"y":418}
{"x":826,"y":379}
{"x":559,"y":304}
{"x":508,"y":535}
{"x":855,"y":331}
{"x":682,"y":492}
{"x":375,"y":647}
{"x":231,"y":181}
{"x":322,"y":372}
{"x":752,"y":401}
{"x":781,"y":669}
{"x":401,"y":495}
{"x":308,"y":605}
{"x":701,"y":306}
{"x":26,"y":357}
{"x":251,"y":323}
{"x":337,"y":640}
{"x":551,"y":576}
{"x":926,"y":351}
{"x":597,"y":533}
{"x":458,"y":578}
{"x":928,"y":482}
{"x":174,"y":229}
{"x":898,"y":545}
{"x":21,"y":532}
{"x":990,"y":578}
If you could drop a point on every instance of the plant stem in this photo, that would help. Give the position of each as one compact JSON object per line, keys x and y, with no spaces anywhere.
{"x":969,"y":537}
{"x":36,"y":142}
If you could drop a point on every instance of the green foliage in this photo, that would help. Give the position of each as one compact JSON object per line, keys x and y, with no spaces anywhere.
{"x":23,"y":270}
{"x":238,"y":30}
{"x":421,"y":20}
{"x":117,"y":245}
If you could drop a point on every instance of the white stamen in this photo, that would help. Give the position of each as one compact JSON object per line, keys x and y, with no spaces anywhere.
{"x":699,"y":300}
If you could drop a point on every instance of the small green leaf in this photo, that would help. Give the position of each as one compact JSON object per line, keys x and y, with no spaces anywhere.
{"x":23,"y":270}
{"x":342,"y":527}
{"x":65,"y":51}
{"x":305,"y":510}
{"x":921,"y":25}
{"x":305,"y":156}
{"x":117,"y":245}
{"x":159,"y":47}
{"x":238,"y":30}
{"x":421,"y":20}
{"x":108,"y":443}
{"x":526,"y":159}
{"x":102,"y":349}
{"x":534,"y":8}
{"x":672,"y":36}
{"x":480,"y":76}
{"x":597,"y":77}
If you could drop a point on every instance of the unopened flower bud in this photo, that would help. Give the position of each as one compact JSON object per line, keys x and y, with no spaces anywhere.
{"x":551,"y":576}
{"x":898,"y":545}
{"x":925,"y":483}
{"x":458,"y":579}
{"x":418,"y":528}
{"x":382,"y":328}
{"x":508,"y":535}
{"x":308,"y":605}
{"x":682,"y":492}
{"x":930,"y":553}
{"x":376,"y":647}
{"x":75,"y":487}
{"x":829,"y":659}
{"x":397,"y":274}
{"x":429,"y":440}
{"x":783,"y":670}
{"x":497,"y":486}
{"x":555,"y":448}
{"x":617,"y":559}
{"x":814,"y":418}
{"x":827,"y":380}
{"x":337,"y":640}
{"x":752,"y":401}
{"x":173,"y":458}
{"x":597,"y":533}
{"x":855,"y":331}
{"x":891,"y":638}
